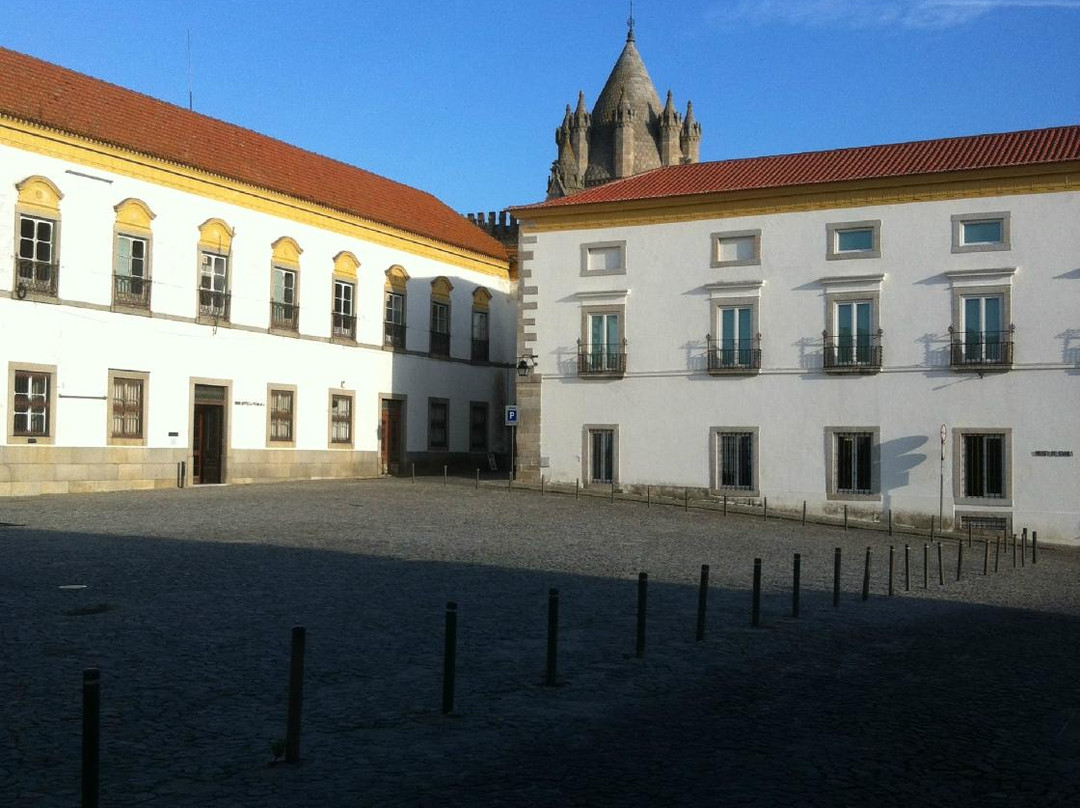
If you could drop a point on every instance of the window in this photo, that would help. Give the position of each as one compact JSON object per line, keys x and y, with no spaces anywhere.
{"x":852,"y":335}
{"x":343,"y":319}
{"x":736,"y":248}
{"x":601,"y":453}
{"x":982,"y":466}
{"x":36,"y":269}
{"x":394,"y":330}
{"x":852,"y":463}
{"x":438,"y":424}
{"x":32,"y":406}
{"x":736,"y":347}
{"x":478,"y":426}
{"x":341,"y":418}
{"x":284,"y":312}
{"x":440,"y":329}
{"x":603,"y":258}
{"x":282,"y":415}
{"x":213,"y":286}
{"x":604,"y":349}
{"x":127,"y":407}
{"x":981,"y":232}
{"x":480,"y":344}
{"x":983,"y":338}
{"x":735,"y":459}
{"x":853,"y":240}
{"x":131,"y":287}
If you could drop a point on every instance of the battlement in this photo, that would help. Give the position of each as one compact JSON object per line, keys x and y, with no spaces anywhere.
{"x":501,"y":226}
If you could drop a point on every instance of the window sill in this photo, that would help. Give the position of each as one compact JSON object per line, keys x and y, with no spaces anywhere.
{"x":217,"y":322}
{"x":735,"y":494}
{"x":113,"y":441}
{"x":984,"y":502}
{"x":127,"y":308}
{"x":35,"y":297}
{"x":281,"y":331}
{"x":738,"y":370}
{"x":981,"y":367}
{"x":601,"y":374}
{"x":844,"y":370}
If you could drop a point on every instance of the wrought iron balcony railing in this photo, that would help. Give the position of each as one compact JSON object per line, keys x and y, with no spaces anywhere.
{"x":214,"y":304}
{"x":394,"y":336}
{"x":601,"y":358}
{"x":131,"y":291}
{"x":726,"y":356}
{"x":440,"y":343}
{"x":37,"y":277}
{"x":284,"y":316}
{"x":480,"y":350}
{"x":985,"y":350}
{"x":343,"y":326}
{"x":852,"y":353}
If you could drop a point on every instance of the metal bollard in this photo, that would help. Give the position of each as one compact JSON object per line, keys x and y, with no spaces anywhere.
{"x":866,"y":577}
{"x":541,"y":485}
{"x":925,"y":566}
{"x":931,"y":529}
{"x":552,"y":637}
{"x":686,"y":498}
{"x":1034,"y":547}
{"x":836,"y":578}
{"x":890,"y":521}
{"x":725,"y":504}
{"x":891,"y":553}
{"x":986,"y":556}
{"x":702,"y":598}
{"x":1023,"y":549}
{"x":648,"y":496}
{"x":296,"y":695}
{"x":509,"y":481}
{"x":796,"y":575}
{"x":940,"y":567}
{"x":959,"y":558}
{"x":804,"y":513}
{"x":907,"y":568}
{"x":612,"y":490}
{"x":577,"y":481}
{"x":765,"y":513}
{"x":449,"y":659}
{"x":414,"y":473}
{"x":444,"y":474}
{"x":642,"y":603}
{"x":478,"y":479}
{"x":969,"y":533}
{"x":755,"y":610}
{"x":91,"y":736}
{"x":1014,"y":551}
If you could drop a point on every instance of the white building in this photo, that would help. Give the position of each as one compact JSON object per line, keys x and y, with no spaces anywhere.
{"x":189,"y":301}
{"x":801,"y":327}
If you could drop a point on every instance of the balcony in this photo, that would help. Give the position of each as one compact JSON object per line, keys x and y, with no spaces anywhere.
{"x":131,"y":292}
{"x":214,"y":305}
{"x":36,"y":277}
{"x":479,"y":350}
{"x":852,"y":353}
{"x":981,"y":350}
{"x":733,"y":358}
{"x":394,"y":336}
{"x":440,"y":343}
{"x":602,"y":359}
{"x":284,"y":316}
{"x":342,"y":326}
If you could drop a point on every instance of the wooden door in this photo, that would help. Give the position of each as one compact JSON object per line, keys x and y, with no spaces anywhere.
{"x":207,"y":443}
{"x":390,"y":427}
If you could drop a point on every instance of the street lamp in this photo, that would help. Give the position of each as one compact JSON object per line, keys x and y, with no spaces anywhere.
{"x":525,"y":366}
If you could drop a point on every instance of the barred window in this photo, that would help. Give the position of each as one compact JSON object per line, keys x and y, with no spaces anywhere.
{"x":281,"y":415}
{"x":736,"y":460}
{"x":127,"y":408}
{"x":854,"y":462}
{"x":341,"y":419}
{"x":438,"y":417}
{"x":31,"y":405}
{"x":984,"y":465}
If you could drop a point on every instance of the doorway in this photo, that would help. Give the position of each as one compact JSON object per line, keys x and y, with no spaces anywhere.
{"x":390,"y":423}
{"x":208,"y":435}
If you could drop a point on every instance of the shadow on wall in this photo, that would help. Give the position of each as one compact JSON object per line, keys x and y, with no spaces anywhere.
{"x":899,"y":457}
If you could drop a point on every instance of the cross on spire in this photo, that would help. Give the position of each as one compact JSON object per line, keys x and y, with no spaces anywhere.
{"x":630,"y":23}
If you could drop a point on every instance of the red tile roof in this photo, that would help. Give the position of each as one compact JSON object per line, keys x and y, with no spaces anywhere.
{"x":43,"y":93}
{"x":1030,"y":147}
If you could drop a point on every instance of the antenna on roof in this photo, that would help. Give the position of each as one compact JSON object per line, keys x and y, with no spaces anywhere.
{"x":630,"y":23}
{"x":190,"y":101}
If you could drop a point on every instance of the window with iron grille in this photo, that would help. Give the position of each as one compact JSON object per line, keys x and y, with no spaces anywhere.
{"x":281,"y":415}
{"x":984,"y":465}
{"x":341,"y":419}
{"x":32,"y":404}
{"x":36,"y":263}
{"x":127,"y":407}
{"x":854,"y":462}
{"x":130,"y":276}
{"x":735,"y":453}
{"x":283,"y":308}
{"x":394,"y":320}
{"x":438,"y":423}
{"x":213,"y":286}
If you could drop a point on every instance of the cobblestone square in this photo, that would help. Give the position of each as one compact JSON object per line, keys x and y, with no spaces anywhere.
{"x":962,"y":694}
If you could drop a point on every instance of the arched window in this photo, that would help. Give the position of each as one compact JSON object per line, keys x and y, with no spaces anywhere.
{"x":343,"y":316}
{"x":480,"y":325}
{"x":215,"y":245}
{"x":285,"y":285}
{"x":131,"y":254}
{"x":440,"y":317}
{"x":394,"y":318}
{"x":37,"y":225}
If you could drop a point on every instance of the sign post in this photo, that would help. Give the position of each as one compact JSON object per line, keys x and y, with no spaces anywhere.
{"x":511,"y":414}
{"x":941,"y":478}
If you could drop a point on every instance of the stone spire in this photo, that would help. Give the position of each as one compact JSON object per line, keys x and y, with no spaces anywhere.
{"x":691,"y":136}
{"x":670,"y":132}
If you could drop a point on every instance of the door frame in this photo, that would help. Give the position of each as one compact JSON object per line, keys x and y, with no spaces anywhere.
{"x":226,"y":432}
{"x":404,"y":399}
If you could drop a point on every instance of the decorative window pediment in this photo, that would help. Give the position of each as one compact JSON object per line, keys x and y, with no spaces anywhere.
{"x":441,"y":288}
{"x":134,"y":215}
{"x":215,"y":235}
{"x":346,"y":265}
{"x":38,"y":194}
{"x":286,"y":252}
{"x":396,"y":279}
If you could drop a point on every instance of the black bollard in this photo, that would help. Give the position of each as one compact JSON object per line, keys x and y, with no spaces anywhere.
{"x":449,"y":659}
{"x":91,"y":736}
{"x":648,"y":496}
{"x":866,"y":577}
{"x":686,"y":498}
{"x":1014,"y":550}
{"x":478,"y":479}
{"x":1034,"y":547}
{"x":836,"y":578}
{"x":414,"y":472}
{"x":1023,"y":549}
{"x":907,"y":568}
{"x":612,"y":490}
{"x":577,"y":480}
{"x":765,"y":513}
{"x":541,"y":485}
{"x":796,"y":575}
{"x":725,"y":504}
{"x":552,"y":636}
{"x":940,"y":567}
{"x":804,"y":513}
{"x":444,"y":474}
{"x":702,"y":597}
{"x":925,"y":566}
{"x":509,"y":480}
{"x":986,"y":556}
{"x":890,"y":521}
{"x":642,"y":602}
{"x":959,"y":558}
{"x":891,"y":552}
{"x":755,"y":609}
{"x":969,"y":533}
{"x":296,"y":695}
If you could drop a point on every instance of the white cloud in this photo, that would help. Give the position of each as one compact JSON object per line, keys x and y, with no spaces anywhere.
{"x":878,"y":13}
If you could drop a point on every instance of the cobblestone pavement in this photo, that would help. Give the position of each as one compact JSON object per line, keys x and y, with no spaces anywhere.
{"x":963,"y":694}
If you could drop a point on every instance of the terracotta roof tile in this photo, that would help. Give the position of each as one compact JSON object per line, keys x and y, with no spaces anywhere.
{"x":43,"y":93}
{"x":1060,"y":144}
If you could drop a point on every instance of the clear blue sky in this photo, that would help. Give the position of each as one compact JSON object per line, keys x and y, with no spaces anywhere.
{"x":462,"y":98}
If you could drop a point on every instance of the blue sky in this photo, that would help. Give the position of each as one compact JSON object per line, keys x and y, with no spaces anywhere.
{"x":462,"y":98}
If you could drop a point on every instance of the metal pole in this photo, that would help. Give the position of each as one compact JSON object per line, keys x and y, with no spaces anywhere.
{"x":997,"y":552}
{"x":1014,"y":551}
{"x":1023,"y":549}
{"x":702,"y":599}
{"x":866,"y":577}
{"x":890,"y":521}
{"x":940,"y":567}
{"x":907,"y":568}
{"x":612,"y":490}
{"x":796,"y":575}
{"x":804,"y":513}
{"x":686,"y":498}
{"x":642,"y":603}
{"x":959,"y":558}
{"x":725,"y":504}
{"x":477,"y":479}
{"x":986,"y":556}
{"x":414,"y":473}
{"x":91,"y":736}
{"x":296,"y":695}
{"x":541,"y":485}
{"x":648,"y":496}
{"x":931,"y":530}
{"x":449,"y":658}
{"x":552,"y":636}
{"x":577,"y":481}
{"x":925,"y":566}
{"x":1034,"y":547}
{"x":765,"y":514}
{"x":444,"y":474}
{"x":891,"y":553}
{"x":755,"y":612}
{"x":836,"y":578}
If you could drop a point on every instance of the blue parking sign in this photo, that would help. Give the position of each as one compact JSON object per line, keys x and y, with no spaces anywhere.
{"x":511,"y":415}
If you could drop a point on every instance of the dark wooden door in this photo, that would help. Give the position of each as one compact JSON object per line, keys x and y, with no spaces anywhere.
{"x":391,"y":437}
{"x":207,"y":443}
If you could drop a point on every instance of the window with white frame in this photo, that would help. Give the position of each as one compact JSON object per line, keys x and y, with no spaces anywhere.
{"x":36,"y":266}
{"x":984,"y":336}
{"x":604,"y":350}
{"x":603,"y":258}
{"x":440,"y":328}
{"x":343,"y":318}
{"x":853,"y":240}
{"x":736,"y":248}
{"x":283,"y":307}
{"x":480,"y":343}
{"x":736,"y":344}
{"x":282,"y":415}
{"x":132,"y":286}
{"x":341,"y":407}
{"x":981,"y":232}
{"x":32,"y":405}
{"x":735,"y":459}
{"x":127,"y":407}
{"x":852,"y":463}
{"x":394,"y":320}
{"x":213,"y":286}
